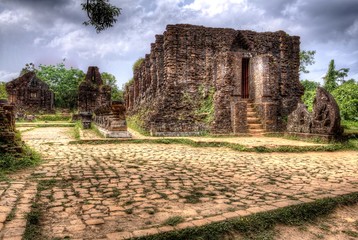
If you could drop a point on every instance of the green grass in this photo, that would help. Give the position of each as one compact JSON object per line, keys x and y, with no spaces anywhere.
{"x":237,"y":147}
{"x":10,"y":163}
{"x":260,"y":225}
{"x":76,"y":130}
{"x":33,"y":218}
{"x":135,"y":123}
{"x":96,"y":131}
{"x":173,"y":221}
{"x":53,"y":117}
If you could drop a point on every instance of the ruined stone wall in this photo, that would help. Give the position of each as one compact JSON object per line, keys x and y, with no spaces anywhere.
{"x":92,"y":93}
{"x":30,"y":94}
{"x":8,"y":142}
{"x":111,"y":120}
{"x":323,"y":122}
{"x":173,"y":81}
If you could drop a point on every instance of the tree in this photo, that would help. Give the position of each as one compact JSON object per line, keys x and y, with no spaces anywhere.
{"x":346,"y":96}
{"x":110,"y":80}
{"x":63,"y":82}
{"x":306,"y":59}
{"x":310,"y":93}
{"x":3,"y":93}
{"x":101,"y":14}
{"x":334,"y":76}
{"x":137,"y":64}
{"x":29,"y":67}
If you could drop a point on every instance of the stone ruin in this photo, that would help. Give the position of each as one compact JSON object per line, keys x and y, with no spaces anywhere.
{"x":29,"y":94}
{"x":323,"y":122}
{"x":111,"y":120}
{"x":199,"y":79}
{"x":95,"y":105}
{"x":92,"y":93}
{"x":8,"y":143}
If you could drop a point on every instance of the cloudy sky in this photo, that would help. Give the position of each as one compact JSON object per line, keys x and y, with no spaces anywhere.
{"x":47,"y":31}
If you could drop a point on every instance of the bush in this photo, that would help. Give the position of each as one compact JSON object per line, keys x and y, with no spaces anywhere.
{"x":346,"y":96}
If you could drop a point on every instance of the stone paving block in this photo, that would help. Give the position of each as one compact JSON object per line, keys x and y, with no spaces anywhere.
{"x":184,"y":225}
{"x":218,"y":218}
{"x":200,"y":222}
{"x":165,"y":229}
{"x":94,"y":221}
{"x":230,"y":215}
{"x":145,"y":232}
{"x":119,"y":235}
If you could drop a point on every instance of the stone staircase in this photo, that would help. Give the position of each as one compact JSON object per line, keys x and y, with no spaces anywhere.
{"x":254,"y":125}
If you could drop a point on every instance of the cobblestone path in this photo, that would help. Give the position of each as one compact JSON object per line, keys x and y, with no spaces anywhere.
{"x":117,"y":191}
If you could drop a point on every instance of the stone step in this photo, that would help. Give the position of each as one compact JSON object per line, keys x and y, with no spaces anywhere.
{"x":251,"y":114}
{"x":253,"y":120}
{"x":253,"y":131}
{"x":255,"y":126}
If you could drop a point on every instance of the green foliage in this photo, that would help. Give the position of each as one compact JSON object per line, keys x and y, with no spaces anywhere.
{"x":233,"y":146}
{"x":109,"y":79}
{"x":137,"y":64}
{"x":173,"y":221}
{"x":310,"y":93}
{"x":206,"y":107}
{"x":346,"y":96}
{"x":10,"y":162}
{"x":101,"y":14}
{"x":76,"y":130}
{"x":136,"y":123}
{"x":3,"y":93}
{"x":130,"y":82}
{"x":53,"y":117}
{"x":306,"y":59}
{"x":309,"y":85}
{"x":63,"y":82}
{"x":334,"y":76}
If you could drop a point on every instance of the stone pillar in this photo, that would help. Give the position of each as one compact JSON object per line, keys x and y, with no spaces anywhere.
{"x":86,"y":118}
{"x":239,"y":115}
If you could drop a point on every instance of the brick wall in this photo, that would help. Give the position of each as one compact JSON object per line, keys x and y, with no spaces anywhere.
{"x":187,"y":61}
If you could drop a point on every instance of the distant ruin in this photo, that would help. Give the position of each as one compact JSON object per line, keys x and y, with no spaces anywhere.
{"x":199,"y":79}
{"x":95,"y":105}
{"x":92,"y":93}
{"x":29,"y":94}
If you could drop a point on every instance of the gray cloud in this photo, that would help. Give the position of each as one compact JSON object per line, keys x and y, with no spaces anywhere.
{"x":46,"y":31}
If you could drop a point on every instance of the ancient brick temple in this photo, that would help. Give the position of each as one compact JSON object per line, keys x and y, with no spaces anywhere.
{"x":30,"y":94}
{"x":8,"y":142}
{"x":92,"y":93}
{"x":216,"y":79}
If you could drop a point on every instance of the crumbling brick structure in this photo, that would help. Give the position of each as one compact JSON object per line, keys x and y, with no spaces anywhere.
{"x":92,"y":93}
{"x":202,"y":79}
{"x":324,"y":122}
{"x":8,"y":142}
{"x":30,"y":94}
{"x":111,"y":120}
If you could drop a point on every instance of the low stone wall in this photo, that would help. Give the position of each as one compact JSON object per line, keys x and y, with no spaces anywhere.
{"x":111,"y":121}
{"x":8,"y":142}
